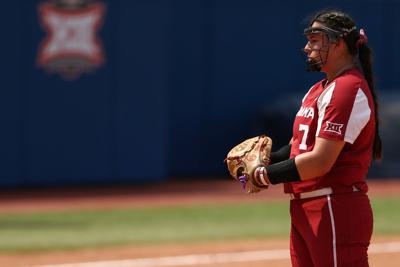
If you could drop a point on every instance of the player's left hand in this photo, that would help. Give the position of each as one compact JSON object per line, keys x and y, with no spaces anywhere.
{"x":246,"y":161}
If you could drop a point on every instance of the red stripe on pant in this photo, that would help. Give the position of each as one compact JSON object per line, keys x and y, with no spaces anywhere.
{"x":331,"y":231}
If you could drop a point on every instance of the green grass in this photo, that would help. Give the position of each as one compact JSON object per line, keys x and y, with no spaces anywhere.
{"x":79,"y":229}
{"x":47,"y":231}
{"x":386,"y":215}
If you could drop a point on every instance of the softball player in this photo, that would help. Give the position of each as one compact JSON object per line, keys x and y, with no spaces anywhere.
{"x":335,"y":138}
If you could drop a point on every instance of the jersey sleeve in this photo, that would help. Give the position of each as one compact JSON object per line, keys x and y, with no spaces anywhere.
{"x":343,"y":111}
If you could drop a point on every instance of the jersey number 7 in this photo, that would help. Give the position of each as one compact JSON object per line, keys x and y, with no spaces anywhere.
{"x":303,"y":127}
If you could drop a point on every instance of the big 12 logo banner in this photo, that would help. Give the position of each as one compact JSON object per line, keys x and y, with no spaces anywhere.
{"x":71,"y":46}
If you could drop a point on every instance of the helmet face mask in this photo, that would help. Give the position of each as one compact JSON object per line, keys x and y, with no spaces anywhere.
{"x":319,"y":59}
{"x":328,"y":36}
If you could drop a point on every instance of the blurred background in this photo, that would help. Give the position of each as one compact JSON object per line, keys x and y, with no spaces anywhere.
{"x":142,"y":91}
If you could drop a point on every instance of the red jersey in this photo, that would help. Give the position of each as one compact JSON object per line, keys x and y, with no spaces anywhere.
{"x":341,"y":110}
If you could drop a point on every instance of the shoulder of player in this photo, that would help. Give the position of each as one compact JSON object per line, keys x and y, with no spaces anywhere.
{"x":349,"y":82}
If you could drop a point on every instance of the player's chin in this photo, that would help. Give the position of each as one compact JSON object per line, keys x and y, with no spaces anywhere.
{"x":312,"y":60}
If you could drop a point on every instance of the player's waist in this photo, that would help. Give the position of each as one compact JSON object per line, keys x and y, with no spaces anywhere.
{"x":322,"y":192}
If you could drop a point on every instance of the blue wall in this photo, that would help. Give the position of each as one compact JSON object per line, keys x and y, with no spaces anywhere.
{"x":183,"y":81}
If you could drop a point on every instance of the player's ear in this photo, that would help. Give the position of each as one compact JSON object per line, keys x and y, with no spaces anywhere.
{"x":342,"y":45}
{"x":339,"y":44}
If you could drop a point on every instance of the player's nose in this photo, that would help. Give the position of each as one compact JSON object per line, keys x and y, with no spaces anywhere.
{"x":307,"y":48}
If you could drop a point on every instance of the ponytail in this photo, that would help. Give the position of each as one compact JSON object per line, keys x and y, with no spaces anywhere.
{"x":365,"y":57}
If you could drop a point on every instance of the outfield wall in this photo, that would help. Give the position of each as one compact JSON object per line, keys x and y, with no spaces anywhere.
{"x":167,"y":86}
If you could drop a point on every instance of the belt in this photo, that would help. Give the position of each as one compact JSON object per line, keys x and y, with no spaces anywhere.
{"x":317,"y":193}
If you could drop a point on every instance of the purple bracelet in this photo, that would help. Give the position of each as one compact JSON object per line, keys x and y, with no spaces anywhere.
{"x":243,"y":180}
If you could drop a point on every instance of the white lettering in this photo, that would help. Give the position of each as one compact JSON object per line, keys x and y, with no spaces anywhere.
{"x":306,"y":112}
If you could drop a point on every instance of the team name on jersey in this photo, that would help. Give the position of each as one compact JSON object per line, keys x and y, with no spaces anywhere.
{"x":306,"y":112}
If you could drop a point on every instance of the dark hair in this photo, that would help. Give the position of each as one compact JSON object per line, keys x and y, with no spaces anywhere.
{"x":344,"y":24}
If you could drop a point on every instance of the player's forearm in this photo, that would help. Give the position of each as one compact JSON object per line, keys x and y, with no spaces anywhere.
{"x":280,"y":155}
{"x":309,"y":165}
{"x":302,"y":167}
{"x":320,"y":160}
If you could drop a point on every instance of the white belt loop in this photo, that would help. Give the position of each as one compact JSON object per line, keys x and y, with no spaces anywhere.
{"x":355,"y":189}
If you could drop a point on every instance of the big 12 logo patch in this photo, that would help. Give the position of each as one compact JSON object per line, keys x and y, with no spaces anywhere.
{"x":71,"y":46}
{"x":333,"y":127}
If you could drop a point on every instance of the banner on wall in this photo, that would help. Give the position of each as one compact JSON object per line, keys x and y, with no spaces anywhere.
{"x":71,"y":46}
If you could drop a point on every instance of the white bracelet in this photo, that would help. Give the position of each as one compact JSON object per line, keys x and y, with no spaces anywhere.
{"x":263,"y":174}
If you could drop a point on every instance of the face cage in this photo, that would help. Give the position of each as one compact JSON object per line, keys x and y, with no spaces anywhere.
{"x":320,"y":61}
{"x":315,"y":64}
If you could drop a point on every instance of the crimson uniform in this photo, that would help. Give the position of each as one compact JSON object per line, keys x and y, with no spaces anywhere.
{"x":334,"y":229}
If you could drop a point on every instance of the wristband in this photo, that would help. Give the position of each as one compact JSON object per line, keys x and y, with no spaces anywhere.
{"x":263,"y":175}
{"x":283,"y":172}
